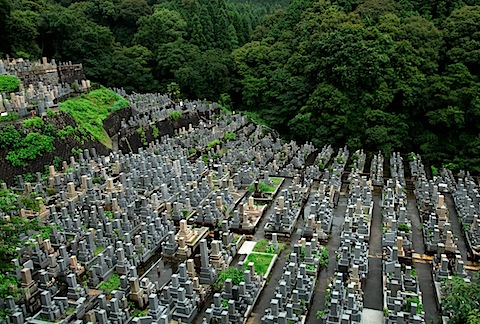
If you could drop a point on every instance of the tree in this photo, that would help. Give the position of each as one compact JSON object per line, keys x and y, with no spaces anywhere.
{"x":131,"y":69}
{"x":461,"y":300}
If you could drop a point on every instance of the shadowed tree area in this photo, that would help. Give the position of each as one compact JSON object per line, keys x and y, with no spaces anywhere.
{"x":381,"y":74}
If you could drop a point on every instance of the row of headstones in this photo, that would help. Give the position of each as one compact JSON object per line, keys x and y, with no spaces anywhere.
{"x":39,"y":98}
{"x":467,"y":203}
{"x":294,"y":292}
{"x":344,"y":301}
{"x":400,"y":284}
{"x":239,"y":298}
{"x":432,"y":208}
{"x":376,"y":169}
{"x":359,"y":159}
{"x":286,"y":210}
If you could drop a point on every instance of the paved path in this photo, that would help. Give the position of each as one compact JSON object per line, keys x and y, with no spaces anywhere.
{"x":424,"y":270}
{"x":373,"y":292}
{"x":456,"y":227}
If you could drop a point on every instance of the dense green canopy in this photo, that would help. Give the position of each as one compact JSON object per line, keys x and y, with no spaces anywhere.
{"x":382,"y":74}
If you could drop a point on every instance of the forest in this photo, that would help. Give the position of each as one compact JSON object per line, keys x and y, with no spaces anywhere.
{"x":380,"y":74}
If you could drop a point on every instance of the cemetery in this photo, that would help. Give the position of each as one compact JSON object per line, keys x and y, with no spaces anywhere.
{"x":219,"y":220}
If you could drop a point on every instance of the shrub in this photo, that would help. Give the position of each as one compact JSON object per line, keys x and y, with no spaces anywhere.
{"x":213,"y":144}
{"x":111,"y":284}
{"x":9,"y":83}
{"x":9,"y":117}
{"x":155,"y":131}
{"x":230,"y":273}
{"x":230,"y":136}
{"x":175,"y":115}
{"x":30,"y":147}
{"x":34,"y":122}
{"x":404,"y":227}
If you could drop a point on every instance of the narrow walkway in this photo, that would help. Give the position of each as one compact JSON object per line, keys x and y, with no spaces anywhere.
{"x":318,"y":301}
{"x":373,"y":292}
{"x":456,"y":227}
{"x":424,"y":270}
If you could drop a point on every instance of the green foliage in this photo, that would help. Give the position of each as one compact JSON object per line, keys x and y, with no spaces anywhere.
{"x":9,"y":117}
{"x":9,"y":83}
{"x":111,"y":284}
{"x":265,"y":246}
{"x":29,"y":148}
{"x":230,"y":273}
{"x":109,"y":214}
{"x":192,"y":151}
{"x":434,"y":171}
{"x":34,"y":122}
{"x":261,"y":261}
{"x":461,"y":300}
{"x":416,"y":300}
{"x":324,"y":254}
{"x":404,"y":227}
{"x":320,"y":314}
{"x":175,"y":115}
{"x":91,"y":109}
{"x":230,"y":136}
{"x":12,"y":233}
{"x":143,"y":137}
{"x":51,"y":113}
{"x":213,"y":144}
{"x":155,"y":131}
{"x":262,"y":187}
{"x":67,"y":131}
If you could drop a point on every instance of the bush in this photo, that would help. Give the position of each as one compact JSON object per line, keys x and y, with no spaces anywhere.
{"x":213,"y":144}
{"x":404,"y":227}
{"x":175,"y":115}
{"x":230,"y":273}
{"x":9,"y":117}
{"x":230,"y":136}
{"x":30,"y":147}
{"x":111,"y":284}
{"x":34,"y":122}
{"x":9,"y":83}
{"x":155,"y":131}
{"x":9,"y":137}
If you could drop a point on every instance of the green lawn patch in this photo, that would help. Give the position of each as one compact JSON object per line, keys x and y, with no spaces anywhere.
{"x":89,"y":111}
{"x":261,"y":261}
{"x":265,"y":246}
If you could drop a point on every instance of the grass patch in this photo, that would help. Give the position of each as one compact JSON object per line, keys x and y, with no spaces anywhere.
{"x":111,"y":284}
{"x":261,"y":261}
{"x":98,"y":250}
{"x":89,"y":111}
{"x":265,"y":246}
